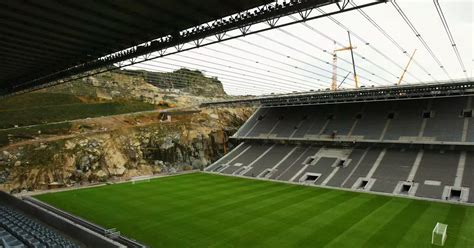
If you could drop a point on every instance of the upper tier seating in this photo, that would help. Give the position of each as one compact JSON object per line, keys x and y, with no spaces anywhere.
{"x":423,"y":121}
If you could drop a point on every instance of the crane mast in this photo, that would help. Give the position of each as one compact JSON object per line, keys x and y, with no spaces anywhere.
{"x":334,"y":69}
{"x":334,"y":64}
{"x":406,"y":67}
{"x":353,"y":62}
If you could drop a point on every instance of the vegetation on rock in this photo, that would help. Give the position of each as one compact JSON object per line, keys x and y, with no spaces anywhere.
{"x":188,"y":142}
{"x":53,"y":138}
{"x":193,"y":82}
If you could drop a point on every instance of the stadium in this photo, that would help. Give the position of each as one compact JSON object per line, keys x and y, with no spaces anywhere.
{"x":388,"y":165}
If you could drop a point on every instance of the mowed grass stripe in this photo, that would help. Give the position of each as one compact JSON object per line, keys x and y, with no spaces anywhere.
{"x":247,"y":213}
{"x":182,"y":221}
{"x":333,"y":227}
{"x":359,"y":233}
{"x":234,"y":224}
{"x":454,"y":220}
{"x":234,"y":200}
{"x":206,"y":210}
{"x":207,"y":196}
{"x":266,"y":233}
{"x":465,"y":237}
{"x":313,"y":218}
{"x":419,"y":235}
{"x":392,"y":232}
{"x":237,"y":222}
{"x":114,"y":195}
{"x":176,"y":192}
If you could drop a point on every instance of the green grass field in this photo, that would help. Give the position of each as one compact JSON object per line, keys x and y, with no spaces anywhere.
{"x":203,"y":210}
{"x":28,"y":132}
{"x":41,"y":108}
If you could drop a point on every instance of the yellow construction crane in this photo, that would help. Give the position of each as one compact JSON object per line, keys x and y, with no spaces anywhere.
{"x":334,"y":66}
{"x":403,"y":73}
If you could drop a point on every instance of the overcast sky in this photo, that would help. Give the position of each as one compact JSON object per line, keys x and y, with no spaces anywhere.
{"x":298,"y":57}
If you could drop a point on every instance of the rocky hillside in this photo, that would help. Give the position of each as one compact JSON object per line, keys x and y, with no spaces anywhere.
{"x":184,"y":80}
{"x":187,"y":142}
{"x":110,"y":127}
{"x":181,"y":87}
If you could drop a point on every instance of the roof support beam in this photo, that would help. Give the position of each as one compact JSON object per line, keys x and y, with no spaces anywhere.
{"x":217,"y":28}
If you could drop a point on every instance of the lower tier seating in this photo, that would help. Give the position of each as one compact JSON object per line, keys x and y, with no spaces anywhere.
{"x":436,"y":174}
{"x":18,"y":230}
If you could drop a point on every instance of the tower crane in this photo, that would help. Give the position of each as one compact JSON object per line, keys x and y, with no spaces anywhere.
{"x":403,"y":73}
{"x":334,"y":67}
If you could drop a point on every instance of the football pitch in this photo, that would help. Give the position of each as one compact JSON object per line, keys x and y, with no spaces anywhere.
{"x":204,"y":210}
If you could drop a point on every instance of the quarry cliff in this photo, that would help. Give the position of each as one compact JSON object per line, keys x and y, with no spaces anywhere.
{"x":182,"y":87}
{"x":113,"y":147}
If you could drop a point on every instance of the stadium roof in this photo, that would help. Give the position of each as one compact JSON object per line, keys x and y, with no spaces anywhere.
{"x":363,"y":94}
{"x":43,"y":37}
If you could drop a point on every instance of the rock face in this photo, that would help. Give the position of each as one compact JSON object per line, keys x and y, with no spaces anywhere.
{"x":180,"y":88}
{"x":122,"y":147}
{"x":185,"y":80}
{"x":191,"y":142}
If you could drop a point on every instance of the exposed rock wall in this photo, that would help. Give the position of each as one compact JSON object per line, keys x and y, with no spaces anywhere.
{"x":193,"y":82}
{"x":189,"y":142}
{"x":151,"y":87}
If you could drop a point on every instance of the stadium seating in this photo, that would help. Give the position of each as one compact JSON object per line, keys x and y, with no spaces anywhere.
{"x":446,"y":116}
{"x":468,"y":175}
{"x":18,"y":230}
{"x":407,"y":121}
{"x":341,"y":120}
{"x":394,"y":167}
{"x":8,"y":240}
{"x":289,"y":167}
{"x":436,"y":169}
{"x":374,"y":119}
{"x":373,"y":169}
{"x":430,"y":120}
{"x":301,"y":144}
